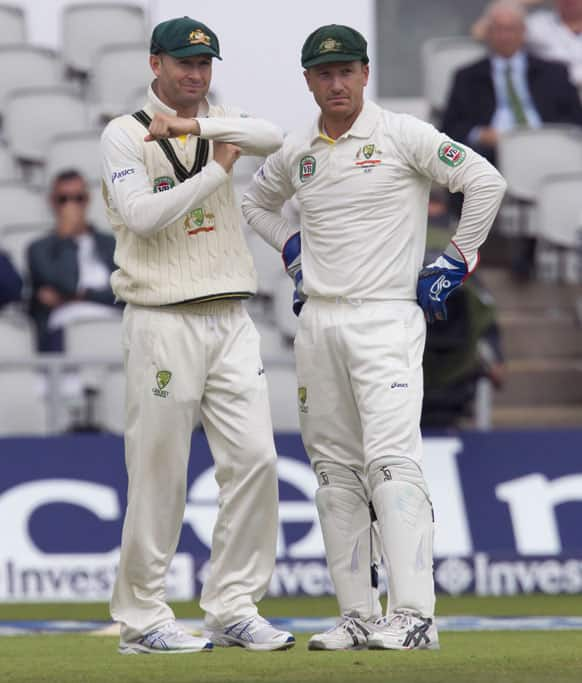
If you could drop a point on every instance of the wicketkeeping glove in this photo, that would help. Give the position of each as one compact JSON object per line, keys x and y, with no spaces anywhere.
{"x":292,"y":259}
{"x":437,"y":280}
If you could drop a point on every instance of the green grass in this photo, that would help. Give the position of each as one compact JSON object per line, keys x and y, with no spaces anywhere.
{"x":488,"y":657}
{"x":467,"y":657}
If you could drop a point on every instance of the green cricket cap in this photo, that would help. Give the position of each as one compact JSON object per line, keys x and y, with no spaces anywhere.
{"x":184,"y":37}
{"x":334,"y":43}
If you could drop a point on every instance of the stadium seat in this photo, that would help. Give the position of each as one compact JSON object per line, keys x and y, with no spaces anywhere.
{"x":23,"y":410}
{"x":16,"y":336}
{"x":34,"y":116}
{"x":29,"y":66}
{"x":15,"y":239}
{"x":272,"y":345}
{"x":12,"y":25}
{"x":111,"y":402}
{"x":110,"y":84}
{"x":282,"y":382}
{"x":526,"y":156}
{"x":78,"y":151}
{"x":559,"y":227}
{"x":267,"y":262}
{"x":88,"y":27}
{"x":96,"y":339}
{"x":21,"y":204}
{"x":441,"y":58}
{"x":8,"y":169}
{"x":96,"y":210}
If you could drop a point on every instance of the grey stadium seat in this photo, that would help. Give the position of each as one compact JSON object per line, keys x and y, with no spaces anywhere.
{"x":29,"y":66}
{"x":33,"y":116}
{"x":88,"y":27}
{"x":8,"y":169}
{"x":23,"y":409}
{"x":117,"y":71}
{"x":96,"y":211}
{"x":15,"y":240}
{"x":79,"y":151}
{"x":12,"y":25}
{"x":16,"y":337}
{"x":111,"y":402}
{"x":441,"y":58}
{"x":95,"y":339}
{"x":21,"y":204}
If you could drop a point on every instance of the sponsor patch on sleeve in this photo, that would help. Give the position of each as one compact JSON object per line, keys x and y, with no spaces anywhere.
{"x":121,"y":174}
{"x":452,"y":154}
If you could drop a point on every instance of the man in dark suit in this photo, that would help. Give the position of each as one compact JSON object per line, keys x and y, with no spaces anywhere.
{"x":509,"y":88}
{"x":70,"y":268}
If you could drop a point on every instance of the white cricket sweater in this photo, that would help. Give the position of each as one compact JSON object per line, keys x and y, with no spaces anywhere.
{"x":178,"y":242}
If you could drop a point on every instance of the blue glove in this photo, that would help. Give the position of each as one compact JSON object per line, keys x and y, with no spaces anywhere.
{"x":437,"y":280}
{"x":292,"y":259}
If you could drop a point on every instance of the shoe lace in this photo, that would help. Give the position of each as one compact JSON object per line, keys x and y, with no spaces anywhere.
{"x":169,"y":629}
{"x":348,"y":623}
{"x":401,"y":619}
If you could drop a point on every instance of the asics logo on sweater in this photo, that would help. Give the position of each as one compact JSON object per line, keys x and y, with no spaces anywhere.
{"x":119,"y":175}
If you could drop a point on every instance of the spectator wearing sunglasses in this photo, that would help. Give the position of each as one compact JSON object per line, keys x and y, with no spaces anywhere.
{"x":70,"y":268}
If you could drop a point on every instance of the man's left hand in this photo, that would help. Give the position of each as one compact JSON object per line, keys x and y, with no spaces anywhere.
{"x":437,"y":280}
{"x":165,"y":126}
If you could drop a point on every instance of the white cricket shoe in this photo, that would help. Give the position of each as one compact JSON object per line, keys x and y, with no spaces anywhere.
{"x":349,"y":633}
{"x":166,"y":640}
{"x":404,"y":630}
{"x":254,"y":633}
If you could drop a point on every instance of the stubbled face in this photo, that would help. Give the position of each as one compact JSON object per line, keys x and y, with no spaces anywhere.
{"x":505,"y":32}
{"x":182,"y":83}
{"x":338,"y":87}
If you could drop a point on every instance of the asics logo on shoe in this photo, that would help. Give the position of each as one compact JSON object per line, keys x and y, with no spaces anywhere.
{"x":417,"y":635}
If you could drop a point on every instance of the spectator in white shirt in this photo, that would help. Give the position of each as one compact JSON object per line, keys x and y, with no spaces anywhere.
{"x":70,"y":267}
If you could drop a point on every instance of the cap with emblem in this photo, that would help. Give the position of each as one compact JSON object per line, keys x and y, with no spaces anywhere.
{"x":334,"y":43}
{"x":184,"y":37}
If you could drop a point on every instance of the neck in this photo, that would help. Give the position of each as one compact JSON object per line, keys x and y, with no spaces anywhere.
{"x":336,"y":126}
{"x":574,"y":23}
{"x":185,"y":111}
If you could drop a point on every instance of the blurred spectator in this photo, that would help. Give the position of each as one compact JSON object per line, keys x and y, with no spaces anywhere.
{"x":557,"y":35}
{"x":479,"y":28}
{"x":10,"y":281}
{"x":509,"y":88}
{"x":465,"y":347}
{"x":70,"y":268}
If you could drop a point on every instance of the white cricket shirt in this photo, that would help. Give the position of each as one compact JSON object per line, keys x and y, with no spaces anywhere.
{"x":364,"y":202}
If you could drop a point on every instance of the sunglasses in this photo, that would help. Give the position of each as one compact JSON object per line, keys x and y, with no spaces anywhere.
{"x":61,"y":199}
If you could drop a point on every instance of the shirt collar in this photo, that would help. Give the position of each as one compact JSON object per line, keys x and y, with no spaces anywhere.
{"x":155,"y":105}
{"x":518,"y":61}
{"x":362,"y":127}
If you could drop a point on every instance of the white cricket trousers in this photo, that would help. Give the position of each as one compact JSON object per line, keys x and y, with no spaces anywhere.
{"x":359,"y":372}
{"x":185,"y":364}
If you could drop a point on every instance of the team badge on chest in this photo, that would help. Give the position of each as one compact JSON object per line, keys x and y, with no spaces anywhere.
{"x":199,"y":220}
{"x":368,"y":150}
{"x":306,"y":168}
